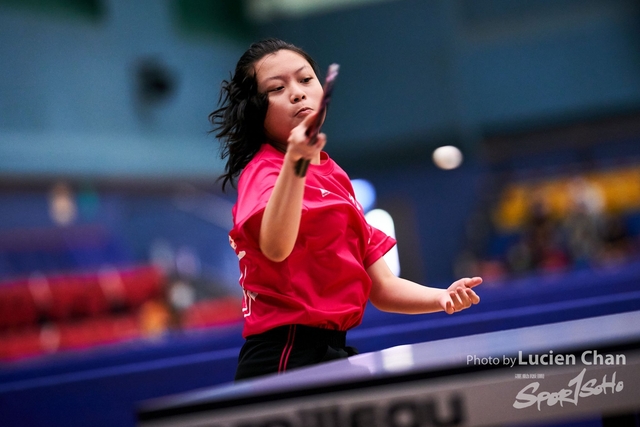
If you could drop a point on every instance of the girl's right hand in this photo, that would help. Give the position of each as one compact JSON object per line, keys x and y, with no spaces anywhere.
{"x":298,"y":143}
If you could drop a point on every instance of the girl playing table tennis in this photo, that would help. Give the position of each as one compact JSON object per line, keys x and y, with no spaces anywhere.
{"x":309,"y":261}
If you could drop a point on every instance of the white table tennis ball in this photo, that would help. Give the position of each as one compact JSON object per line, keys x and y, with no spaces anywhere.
{"x":447,"y":157}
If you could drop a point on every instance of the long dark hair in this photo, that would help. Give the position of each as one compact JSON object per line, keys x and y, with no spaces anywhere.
{"x":239,"y":120}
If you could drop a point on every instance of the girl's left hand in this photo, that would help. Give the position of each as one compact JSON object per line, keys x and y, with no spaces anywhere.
{"x":459,"y":295}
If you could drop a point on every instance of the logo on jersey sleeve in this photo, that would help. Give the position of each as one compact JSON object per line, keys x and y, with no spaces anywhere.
{"x":352,"y":199}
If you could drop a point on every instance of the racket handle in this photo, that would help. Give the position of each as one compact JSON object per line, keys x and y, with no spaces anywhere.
{"x":301,"y":167}
{"x":303,"y":164}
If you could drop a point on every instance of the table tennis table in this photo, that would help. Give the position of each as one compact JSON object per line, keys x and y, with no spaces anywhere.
{"x":586,"y":369}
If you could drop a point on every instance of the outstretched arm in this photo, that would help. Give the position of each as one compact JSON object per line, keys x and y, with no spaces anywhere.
{"x":394,"y":294}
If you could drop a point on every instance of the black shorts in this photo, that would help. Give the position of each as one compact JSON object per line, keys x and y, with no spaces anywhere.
{"x":288,"y":347}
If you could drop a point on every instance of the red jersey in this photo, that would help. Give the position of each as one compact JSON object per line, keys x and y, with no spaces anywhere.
{"x":323,"y":282}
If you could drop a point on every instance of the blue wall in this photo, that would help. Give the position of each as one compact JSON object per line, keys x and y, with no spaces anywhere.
{"x":413,"y":72}
{"x":68,"y":94}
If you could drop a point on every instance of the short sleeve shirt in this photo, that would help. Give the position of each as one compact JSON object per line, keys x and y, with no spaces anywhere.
{"x":323,"y":282}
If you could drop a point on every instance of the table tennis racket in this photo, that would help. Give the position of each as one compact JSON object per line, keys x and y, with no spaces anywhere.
{"x":312,"y":131}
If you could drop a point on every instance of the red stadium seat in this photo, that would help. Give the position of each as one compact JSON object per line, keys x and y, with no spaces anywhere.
{"x":142,"y":284}
{"x":213,"y":312}
{"x":20,"y":344}
{"x":76,"y":296}
{"x":17,"y":307}
{"x":98,"y":331}
{"x":78,"y":304}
